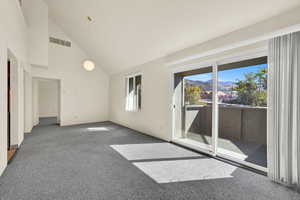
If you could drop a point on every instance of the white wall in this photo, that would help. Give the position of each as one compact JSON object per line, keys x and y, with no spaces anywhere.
{"x":3,"y":107}
{"x":13,"y":35}
{"x":48,"y":98}
{"x":17,"y":100}
{"x":155,"y":116}
{"x":14,"y":107}
{"x":35,"y":102}
{"x":36,"y":15}
{"x":20,"y":114}
{"x":246,"y":34}
{"x":28,"y":115}
{"x":84,"y":95}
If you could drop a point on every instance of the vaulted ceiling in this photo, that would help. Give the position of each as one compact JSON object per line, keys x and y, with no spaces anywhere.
{"x":126,"y":33}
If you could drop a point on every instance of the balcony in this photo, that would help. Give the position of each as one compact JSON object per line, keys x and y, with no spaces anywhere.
{"x":242,"y":130}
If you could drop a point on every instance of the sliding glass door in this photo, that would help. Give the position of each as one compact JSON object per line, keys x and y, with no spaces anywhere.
{"x":224,"y":110}
{"x":198,"y":106}
{"x":242,"y":102}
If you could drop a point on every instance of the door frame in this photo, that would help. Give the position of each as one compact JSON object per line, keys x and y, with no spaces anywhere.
{"x":60,"y":96}
{"x":8,"y":104}
{"x":245,"y":55}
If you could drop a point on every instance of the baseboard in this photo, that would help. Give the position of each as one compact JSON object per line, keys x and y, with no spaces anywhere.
{"x":142,"y":132}
{"x":81,"y":123}
{"x":47,"y":117}
{"x":15,"y":146}
{"x":28,"y":130}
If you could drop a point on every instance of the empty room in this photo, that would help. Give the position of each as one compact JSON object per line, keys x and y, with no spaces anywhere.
{"x":152,"y":99}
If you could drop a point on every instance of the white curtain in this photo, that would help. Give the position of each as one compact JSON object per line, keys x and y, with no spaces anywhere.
{"x":284,"y":109}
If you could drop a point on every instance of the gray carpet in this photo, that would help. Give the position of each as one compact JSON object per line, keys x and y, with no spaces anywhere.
{"x":81,"y":163}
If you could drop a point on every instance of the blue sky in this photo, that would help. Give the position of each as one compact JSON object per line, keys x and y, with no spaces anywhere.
{"x":228,"y":75}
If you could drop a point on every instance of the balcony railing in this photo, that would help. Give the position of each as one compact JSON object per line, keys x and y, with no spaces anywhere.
{"x":241,"y":129}
{"x":236,"y":122}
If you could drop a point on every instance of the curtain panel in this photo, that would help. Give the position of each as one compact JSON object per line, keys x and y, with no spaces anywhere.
{"x":284,"y":109}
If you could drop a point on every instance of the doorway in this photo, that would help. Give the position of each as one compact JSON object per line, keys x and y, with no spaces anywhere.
{"x":221,"y":109}
{"x":47,"y":104}
{"x":10,"y":149}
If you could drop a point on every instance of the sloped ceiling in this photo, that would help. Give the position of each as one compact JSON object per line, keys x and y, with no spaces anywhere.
{"x":126,"y":33}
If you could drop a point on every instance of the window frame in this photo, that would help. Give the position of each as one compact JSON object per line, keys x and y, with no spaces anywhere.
{"x":134,"y":104}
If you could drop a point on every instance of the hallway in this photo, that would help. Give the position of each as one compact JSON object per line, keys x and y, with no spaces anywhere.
{"x":108,"y":161}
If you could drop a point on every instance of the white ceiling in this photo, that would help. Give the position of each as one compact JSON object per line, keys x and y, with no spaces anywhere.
{"x":126,"y":33}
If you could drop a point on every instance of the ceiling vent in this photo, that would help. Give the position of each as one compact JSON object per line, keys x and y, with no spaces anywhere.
{"x":60,"y":42}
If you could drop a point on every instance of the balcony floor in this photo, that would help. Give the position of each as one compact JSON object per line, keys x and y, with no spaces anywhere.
{"x":250,"y":152}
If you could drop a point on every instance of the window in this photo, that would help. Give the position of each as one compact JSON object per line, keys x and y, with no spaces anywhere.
{"x":133,"y":92}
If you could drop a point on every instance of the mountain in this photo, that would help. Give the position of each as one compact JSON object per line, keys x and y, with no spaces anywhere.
{"x":207,"y":85}
{"x":226,"y":85}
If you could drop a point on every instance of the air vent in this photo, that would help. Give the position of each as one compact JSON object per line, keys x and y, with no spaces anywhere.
{"x":60,"y":42}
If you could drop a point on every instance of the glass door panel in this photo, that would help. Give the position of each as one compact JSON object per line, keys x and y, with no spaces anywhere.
{"x":198,"y":106}
{"x":242,"y":102}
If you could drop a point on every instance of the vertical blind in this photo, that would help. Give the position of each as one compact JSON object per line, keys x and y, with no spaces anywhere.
{"x":284,"y":109}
